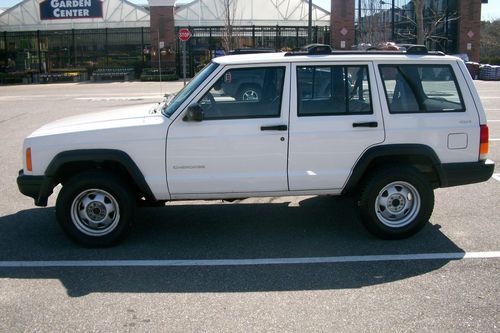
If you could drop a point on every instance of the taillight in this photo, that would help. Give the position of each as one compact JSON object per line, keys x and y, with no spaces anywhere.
{"x":29,"y":166}
{"x":483,"y":142}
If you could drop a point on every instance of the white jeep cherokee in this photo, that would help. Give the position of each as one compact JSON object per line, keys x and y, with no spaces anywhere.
{"x":388,"y":126}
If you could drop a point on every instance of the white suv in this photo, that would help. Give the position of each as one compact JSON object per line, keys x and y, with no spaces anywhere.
{"x":386,"y":126}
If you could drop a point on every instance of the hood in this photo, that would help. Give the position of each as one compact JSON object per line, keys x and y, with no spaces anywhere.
{"x":123,"y":117}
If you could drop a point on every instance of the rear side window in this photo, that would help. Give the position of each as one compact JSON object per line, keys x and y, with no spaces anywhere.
{"x":421,"y":88}
{"x":333,"y":90}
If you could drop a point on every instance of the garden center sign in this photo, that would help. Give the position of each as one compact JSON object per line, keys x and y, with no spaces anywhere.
{"x":70,"y":9}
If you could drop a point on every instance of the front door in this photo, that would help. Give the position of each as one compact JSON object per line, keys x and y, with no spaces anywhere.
{"x":334,"y":117}
{"x":241,"y":144}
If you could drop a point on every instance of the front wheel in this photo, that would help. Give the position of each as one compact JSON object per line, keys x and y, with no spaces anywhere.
{"x":396,"y":202}
{"x":95,"y":209}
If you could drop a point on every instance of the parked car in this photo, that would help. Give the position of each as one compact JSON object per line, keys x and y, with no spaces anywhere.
{"x":385,"y":127}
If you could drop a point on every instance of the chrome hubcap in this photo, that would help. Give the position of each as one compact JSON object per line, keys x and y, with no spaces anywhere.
{"x":95,"y":212}
{"x":397,"y":204}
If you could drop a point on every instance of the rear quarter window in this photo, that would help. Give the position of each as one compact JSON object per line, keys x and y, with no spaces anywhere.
{"x":421,"y":88}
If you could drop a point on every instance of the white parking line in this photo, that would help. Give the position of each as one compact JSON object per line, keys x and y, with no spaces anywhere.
{"x":496,"y":176}
{"x":495,"y":139}
{"x":494,"y":121}
{"x":250,"y":262}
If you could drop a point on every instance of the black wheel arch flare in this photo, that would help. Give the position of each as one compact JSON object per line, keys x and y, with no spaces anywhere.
{"x":93,"y":155}
{"x":391,"y":151}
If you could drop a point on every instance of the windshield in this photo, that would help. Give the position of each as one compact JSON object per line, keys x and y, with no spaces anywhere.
{"x":172,"y":105}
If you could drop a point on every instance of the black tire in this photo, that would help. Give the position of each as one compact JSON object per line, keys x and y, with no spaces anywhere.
{"x":95,"y":209}
{"x":405,"y":200}
{"x":250,"y":93}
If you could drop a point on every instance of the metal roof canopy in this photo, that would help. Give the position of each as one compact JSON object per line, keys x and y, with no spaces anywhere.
{"x":25,"y":16}
{"x":251,"y":12}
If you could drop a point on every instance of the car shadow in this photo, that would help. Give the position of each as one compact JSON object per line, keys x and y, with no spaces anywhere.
{"x":317,"y":227}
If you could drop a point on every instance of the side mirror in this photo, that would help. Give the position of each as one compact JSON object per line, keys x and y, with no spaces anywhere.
{"x":194,"y":113}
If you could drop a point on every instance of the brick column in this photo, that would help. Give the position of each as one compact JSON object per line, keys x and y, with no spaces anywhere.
{"x":162,"y":25}
{"x":342,"y":24}
{"x":469,"y":28}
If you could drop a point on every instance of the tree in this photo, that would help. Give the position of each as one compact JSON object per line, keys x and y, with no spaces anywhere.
{"x":228,"y":38}
{"x":490,"y":42}
{"x":428,"y":22}
{"x":419,"y":20}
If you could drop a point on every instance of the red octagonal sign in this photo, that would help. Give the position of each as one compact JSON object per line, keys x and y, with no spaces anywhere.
{"x":184,"y":34}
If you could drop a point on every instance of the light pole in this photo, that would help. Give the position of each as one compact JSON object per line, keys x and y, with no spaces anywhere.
{"x":309,"y":34}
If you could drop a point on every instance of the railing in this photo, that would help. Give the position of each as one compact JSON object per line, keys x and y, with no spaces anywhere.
{"x":119,"y":73}
{"x":153,"y":74}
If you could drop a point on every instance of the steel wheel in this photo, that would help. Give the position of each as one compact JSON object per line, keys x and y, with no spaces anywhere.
{"x":250,"y":95}
{"x":95,"y":212}
{"x":96,"y":208}
{"x":397,"y":204}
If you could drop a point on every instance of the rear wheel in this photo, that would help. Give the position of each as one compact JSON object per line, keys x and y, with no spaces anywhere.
{"x":95,"y":209}
{"x":396,"y":202}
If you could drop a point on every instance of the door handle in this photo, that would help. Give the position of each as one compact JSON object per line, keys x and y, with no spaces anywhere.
{"x":274,"y":128}
{"x":367,"y":124}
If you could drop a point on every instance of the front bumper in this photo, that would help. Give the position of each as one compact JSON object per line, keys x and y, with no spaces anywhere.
{"x":454,"y":174}
{"x":37,"y":187}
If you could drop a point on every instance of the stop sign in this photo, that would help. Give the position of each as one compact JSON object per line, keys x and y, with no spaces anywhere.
{"x":184,"y":34}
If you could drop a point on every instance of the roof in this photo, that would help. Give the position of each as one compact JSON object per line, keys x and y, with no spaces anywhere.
{"x":251,"y":12}
{"x":25,"y":16}
{"x":277,"y":57}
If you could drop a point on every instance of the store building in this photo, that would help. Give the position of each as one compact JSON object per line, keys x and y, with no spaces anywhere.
{"x":49,"y":35}
{"x":81,"y":35}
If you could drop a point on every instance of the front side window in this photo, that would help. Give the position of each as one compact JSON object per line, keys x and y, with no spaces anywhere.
{"x":182,"y":95}
{"x":333,"y":90}
{"x":421,"y":88}
{"x":245,"y":93}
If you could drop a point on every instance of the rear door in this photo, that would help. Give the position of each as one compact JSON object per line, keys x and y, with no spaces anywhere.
{"x":334,"y":117}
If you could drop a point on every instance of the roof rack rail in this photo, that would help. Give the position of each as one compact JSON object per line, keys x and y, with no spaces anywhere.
{"x":323,"y":49}
{"x":312,"y":49}
{"x":417,"y":49}
{"x":251,"y":50}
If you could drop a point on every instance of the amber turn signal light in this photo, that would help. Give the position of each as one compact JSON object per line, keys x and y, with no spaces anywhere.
{"x":29,"y":166}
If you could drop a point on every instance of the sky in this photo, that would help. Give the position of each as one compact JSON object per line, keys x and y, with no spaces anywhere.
{"x":490,"y":11}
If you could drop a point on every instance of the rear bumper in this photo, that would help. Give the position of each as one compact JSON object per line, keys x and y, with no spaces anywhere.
{"x":454,"y":174}
{"x":37,"y":187}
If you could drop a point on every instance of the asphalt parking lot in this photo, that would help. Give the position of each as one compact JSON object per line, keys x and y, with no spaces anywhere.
{"x":266,"y":264}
